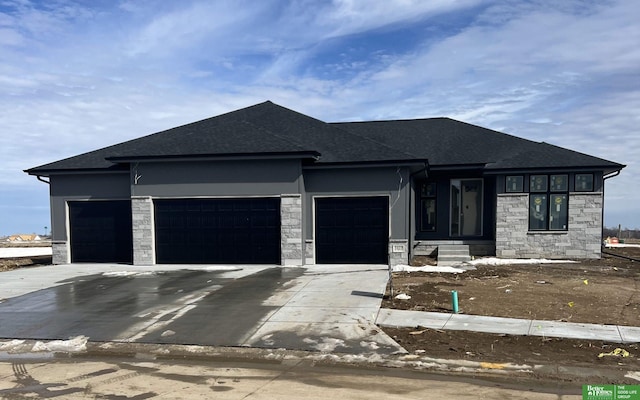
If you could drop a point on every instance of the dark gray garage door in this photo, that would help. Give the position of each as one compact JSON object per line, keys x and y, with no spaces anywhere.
{"x":218,"y":231}
{"x":352,"y":230}
{"x":100,"y":231}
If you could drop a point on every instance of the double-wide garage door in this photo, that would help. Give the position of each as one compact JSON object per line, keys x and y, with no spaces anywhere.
{"x":352,"y":230}
{"x":218,"y":231}
{"x":100,"y":231}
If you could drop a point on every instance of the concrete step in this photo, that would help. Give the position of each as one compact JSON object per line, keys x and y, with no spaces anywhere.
{"x":453,"y":254}
{"x":454,"y":257}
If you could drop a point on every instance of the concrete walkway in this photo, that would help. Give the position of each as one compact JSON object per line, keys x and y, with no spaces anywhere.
{"x":511,"y":326}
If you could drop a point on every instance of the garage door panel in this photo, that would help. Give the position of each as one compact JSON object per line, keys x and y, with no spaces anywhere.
{"x":219,"y":231}
{"x":100,"y":231}
{"x":352,"y":230}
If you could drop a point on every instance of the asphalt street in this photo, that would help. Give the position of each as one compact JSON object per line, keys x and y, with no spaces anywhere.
{"x":126,"y":378}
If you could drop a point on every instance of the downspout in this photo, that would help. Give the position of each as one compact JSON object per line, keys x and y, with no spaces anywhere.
{"x":39,"y":177}
{"x":604,"y":178}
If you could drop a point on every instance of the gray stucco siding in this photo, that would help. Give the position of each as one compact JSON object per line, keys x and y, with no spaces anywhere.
{"x":382,"y":181}
{"x":79,"y":187}
{"x":216,"y":178}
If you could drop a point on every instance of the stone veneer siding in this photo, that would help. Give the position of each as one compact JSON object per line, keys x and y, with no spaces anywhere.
{"x":142,"y":227}
{"x":291,"y":245}
{"x":398,"y":252}
{"x":581,"y":240}
{"x":60,"y":251}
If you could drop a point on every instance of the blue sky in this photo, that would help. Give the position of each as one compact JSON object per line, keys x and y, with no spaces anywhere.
{"x":79,"y":75}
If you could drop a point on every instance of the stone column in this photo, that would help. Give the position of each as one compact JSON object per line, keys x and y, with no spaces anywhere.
{"x":291,"y":245}
{"x":398,"y":252}
{"x":143,"y":235}
{"x":60,"y":251}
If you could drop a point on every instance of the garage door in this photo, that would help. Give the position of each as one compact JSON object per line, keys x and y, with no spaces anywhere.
{"x":218,"y":231}
{"x":353,"y":230}
{"x":100,"y":231}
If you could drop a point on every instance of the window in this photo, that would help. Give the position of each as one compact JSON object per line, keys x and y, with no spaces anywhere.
{"x":584,"y":183}
{"x":537,"y":212}
{"x":559,"y":183}
{"x":548,"y":202}
{"x":428,"y":207}
{"x":538,"y":183}
{"x":558,"y":212}
{"x":514,"y":184}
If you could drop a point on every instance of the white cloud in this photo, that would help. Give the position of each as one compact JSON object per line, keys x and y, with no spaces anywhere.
{"x":346,"y":17}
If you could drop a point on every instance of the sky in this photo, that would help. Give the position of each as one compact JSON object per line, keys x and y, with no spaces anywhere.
{"x":80,"y":75}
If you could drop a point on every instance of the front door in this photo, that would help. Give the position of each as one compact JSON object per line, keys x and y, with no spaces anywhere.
{"x":466,"y":207}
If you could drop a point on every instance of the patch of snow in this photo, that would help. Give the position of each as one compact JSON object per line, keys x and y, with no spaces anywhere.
{"x":328,"y":344}
{"x":511,"y":261}
{"x":10,"y":252}
{"x":428,"y":268}
{"x":119,"y":273}
{"x":214,"y":268}
{"x":350,"y":358}
{"x":128,"y":273}
{"x":11,"y":345}
{"x":267,"y":340}
{"x":76,"y":344}
{"x":403,"y":296}
{"x":194,"y":349}
{"x":621,"y":245}
{"x":369,"y":345}
{"x":633,"y":375}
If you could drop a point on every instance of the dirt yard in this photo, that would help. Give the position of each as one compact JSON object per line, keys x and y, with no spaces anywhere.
{"x":7,"y":264}
{"x":605,"y":291}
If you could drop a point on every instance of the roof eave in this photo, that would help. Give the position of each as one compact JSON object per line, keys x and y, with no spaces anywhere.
{"x":606,"y":169}
{"x":64,"y":171}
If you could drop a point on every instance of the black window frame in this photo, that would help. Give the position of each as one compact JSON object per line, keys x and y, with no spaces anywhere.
{"x":514,"y":184}
{"x":549,"y":203}
{"x":578,"y":186}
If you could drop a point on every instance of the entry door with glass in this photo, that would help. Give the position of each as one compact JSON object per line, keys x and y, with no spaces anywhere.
{"x":466,"y":207}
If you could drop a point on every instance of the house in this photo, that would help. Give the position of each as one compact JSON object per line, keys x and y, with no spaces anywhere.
{"x":24,"y":238}
{"x":266,"y":184}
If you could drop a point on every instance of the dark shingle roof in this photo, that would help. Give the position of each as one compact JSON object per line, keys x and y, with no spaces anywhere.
{"x":444,"y":141}
{"x":269,"y":129}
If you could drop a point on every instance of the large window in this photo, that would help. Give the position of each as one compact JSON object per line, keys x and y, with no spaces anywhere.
{"x":548,"y":202}
{"x":428,"y":207}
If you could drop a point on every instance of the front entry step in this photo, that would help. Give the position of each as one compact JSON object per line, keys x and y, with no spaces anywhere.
{"x":453,"y":254}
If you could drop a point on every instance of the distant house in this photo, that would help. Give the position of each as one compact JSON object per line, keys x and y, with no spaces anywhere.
{"x":266,"y":184}
{"x":24,"y":238}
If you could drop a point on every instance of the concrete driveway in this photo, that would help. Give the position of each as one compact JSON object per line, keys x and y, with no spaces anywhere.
{"x":318,"y":308}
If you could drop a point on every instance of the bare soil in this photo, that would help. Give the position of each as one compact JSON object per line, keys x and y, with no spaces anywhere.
{"x":605,"y":291}
{"x":8,"y":264}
